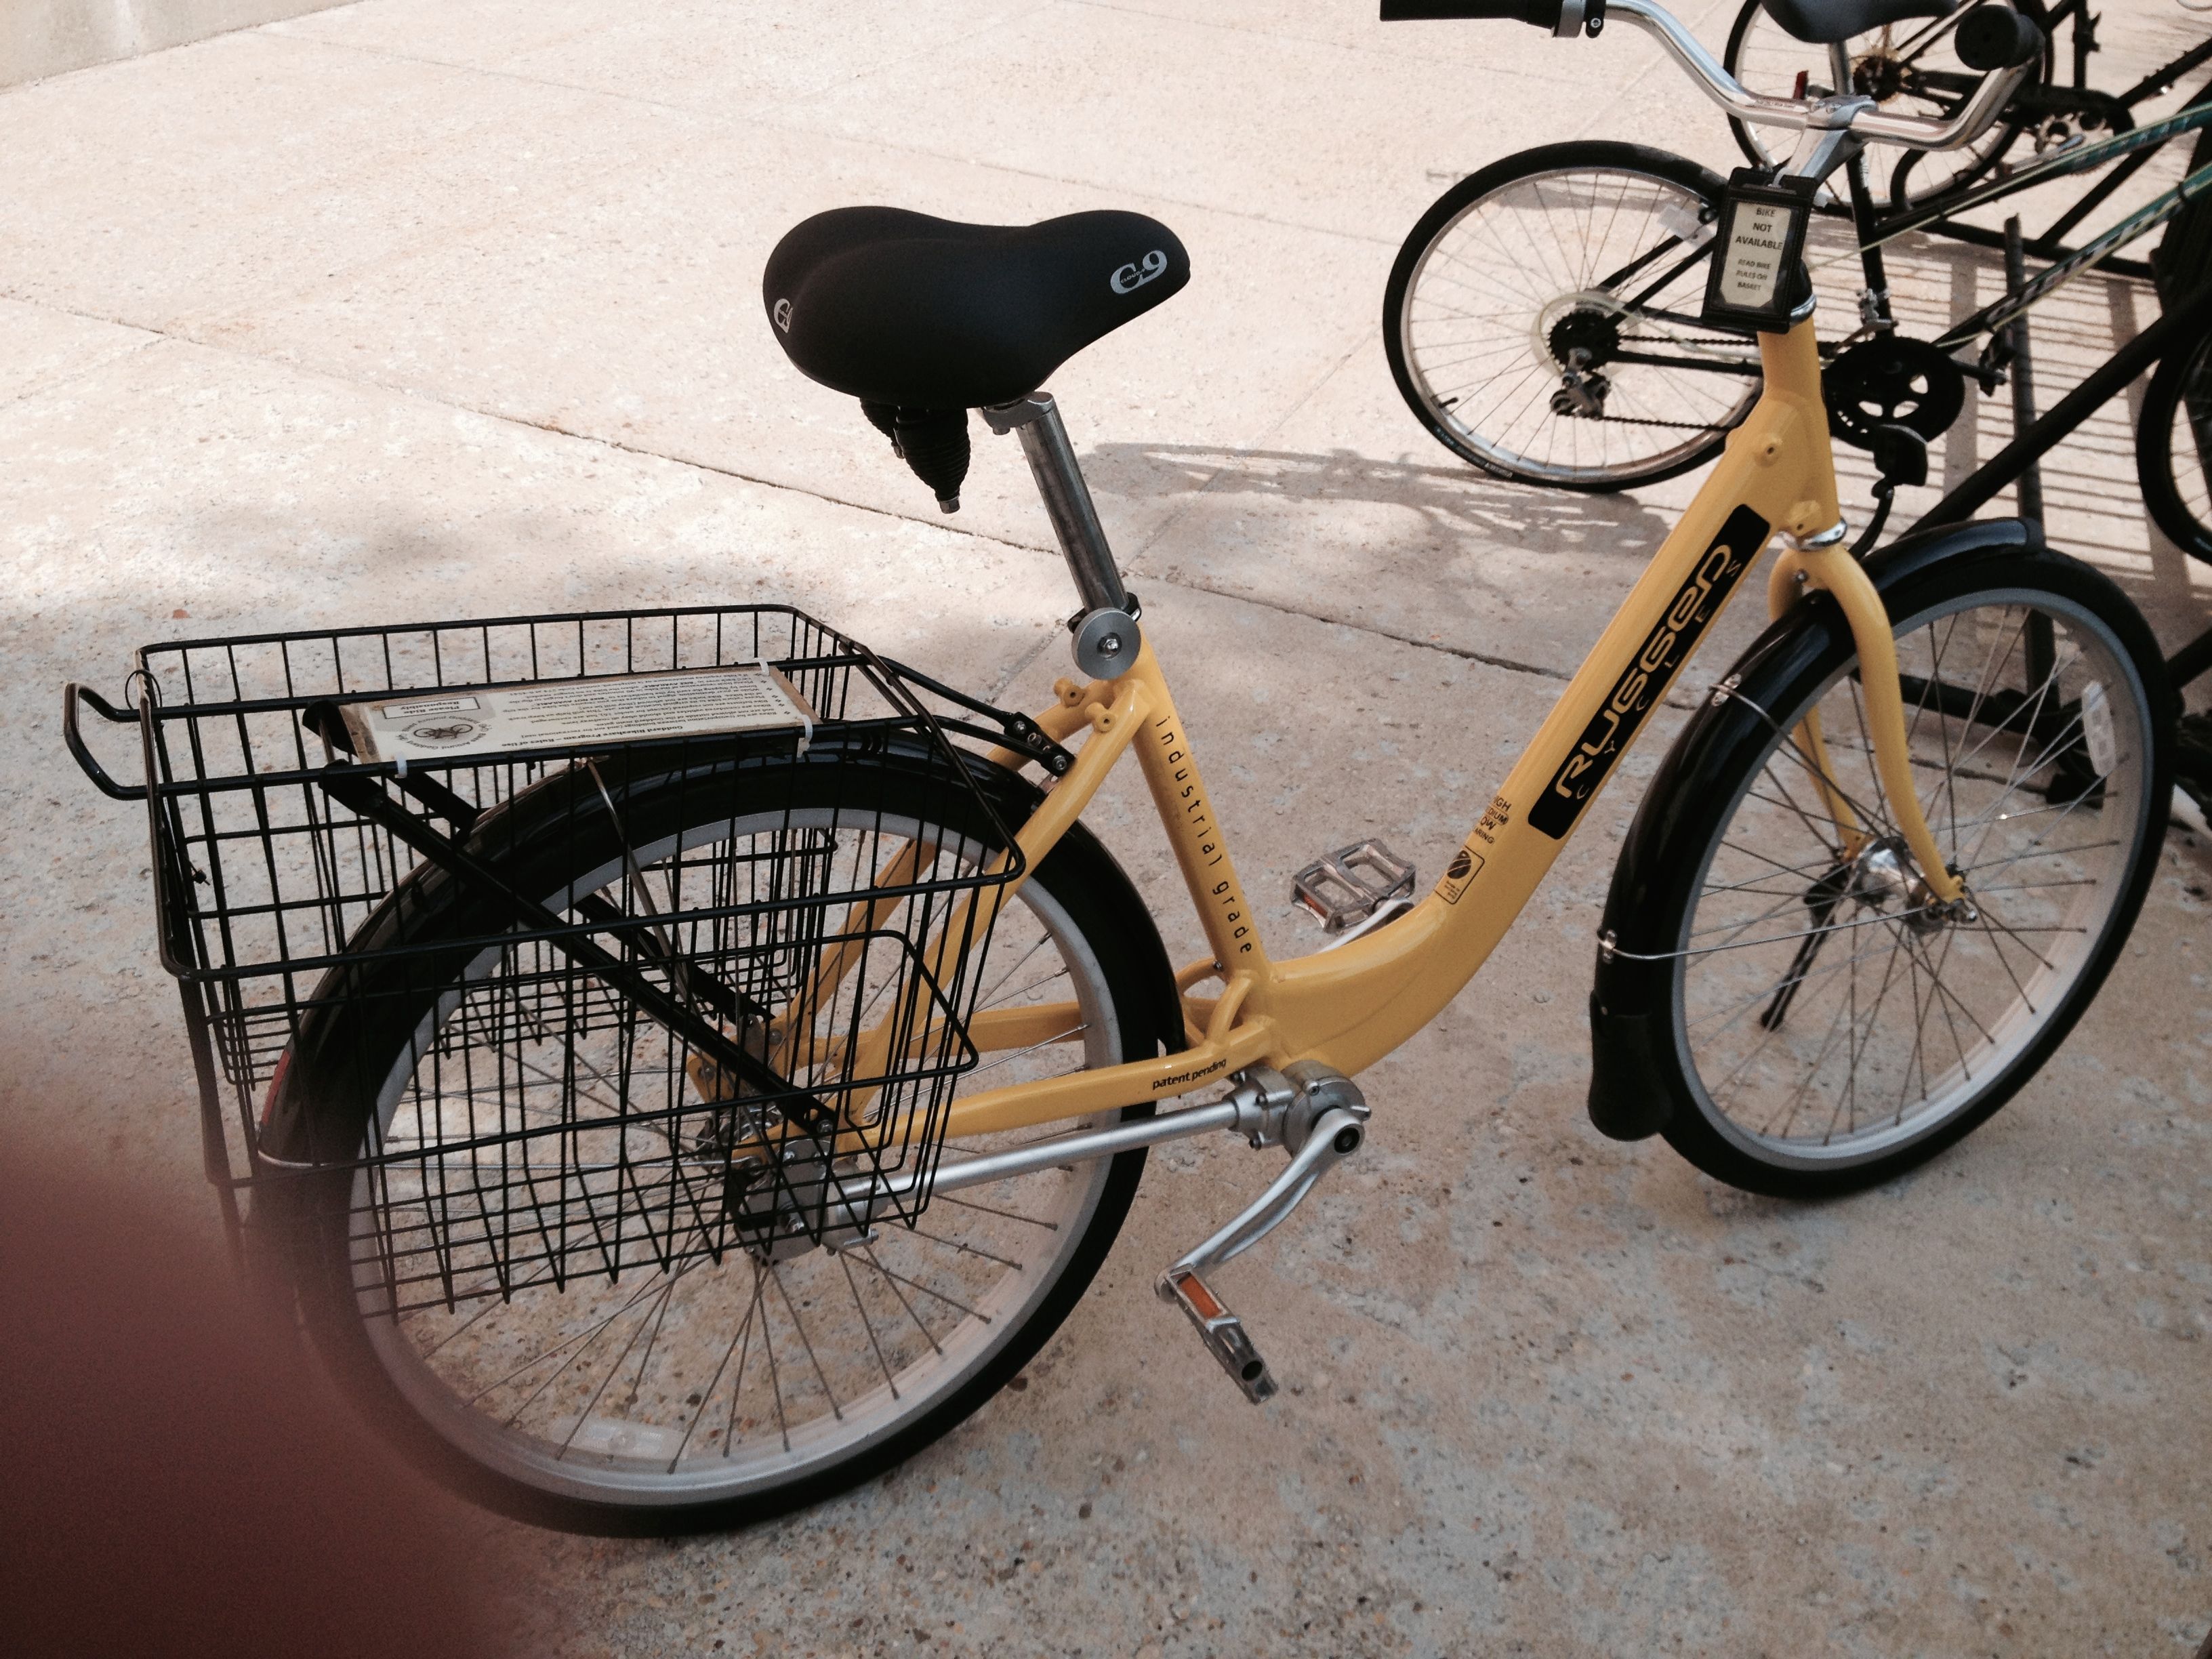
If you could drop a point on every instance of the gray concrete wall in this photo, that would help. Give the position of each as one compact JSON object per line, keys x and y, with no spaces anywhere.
{"x":39,"y":38}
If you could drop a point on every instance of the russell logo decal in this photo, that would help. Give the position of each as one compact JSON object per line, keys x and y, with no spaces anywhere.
{"x":1131,"y":278}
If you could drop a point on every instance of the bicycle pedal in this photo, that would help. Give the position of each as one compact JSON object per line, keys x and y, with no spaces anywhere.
{"x":1223,"y":1332}
{"x":1348,"y":885}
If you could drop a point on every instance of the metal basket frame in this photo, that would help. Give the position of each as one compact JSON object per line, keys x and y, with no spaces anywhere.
{"x":283,"y":866}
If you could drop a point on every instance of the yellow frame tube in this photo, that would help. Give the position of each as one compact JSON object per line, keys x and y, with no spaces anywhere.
{"x":1350,"y":1006}
{"x":1834,"y":570}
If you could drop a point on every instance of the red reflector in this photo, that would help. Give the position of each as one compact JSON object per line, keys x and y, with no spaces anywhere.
{"x":1200,"y":1298}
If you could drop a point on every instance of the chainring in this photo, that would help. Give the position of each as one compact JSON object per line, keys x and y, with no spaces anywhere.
{"x":1892,"y":382}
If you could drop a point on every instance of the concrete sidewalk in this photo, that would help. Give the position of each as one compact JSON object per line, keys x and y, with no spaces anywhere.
{"x":447,"y":307}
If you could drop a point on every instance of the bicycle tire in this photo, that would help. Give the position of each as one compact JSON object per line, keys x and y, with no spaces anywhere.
{"x":1671,"y":186}
{"x":1715,"y":853}
{"x":2173,"y":449}
{"x":1987,"y":151}
{"x":347,"y":1052}
{"x":2174,"y":465}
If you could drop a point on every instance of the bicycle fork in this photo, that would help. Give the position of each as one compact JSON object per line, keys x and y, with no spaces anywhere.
{"x":1823,"y":562}
{"x":1867,"y":866}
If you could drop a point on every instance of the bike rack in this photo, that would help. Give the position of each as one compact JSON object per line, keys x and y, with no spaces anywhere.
{"x":2050,"y":242}
{"x":2016,"y":463}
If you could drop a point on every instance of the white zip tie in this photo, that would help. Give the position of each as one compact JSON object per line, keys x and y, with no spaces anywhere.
{"x":805,"y":720}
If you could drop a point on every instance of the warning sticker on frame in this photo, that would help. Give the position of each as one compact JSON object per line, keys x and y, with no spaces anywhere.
{"x":1466,"y":864}
{"x":577,"y":713}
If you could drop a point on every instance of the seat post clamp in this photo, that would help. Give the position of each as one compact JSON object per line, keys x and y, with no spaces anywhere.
{"x":1107,"y":643}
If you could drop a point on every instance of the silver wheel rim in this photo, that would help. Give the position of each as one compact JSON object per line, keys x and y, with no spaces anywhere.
{"x":718,"y":1380}
{"x":1470,"y":336}
{"x":1890,"y":1033}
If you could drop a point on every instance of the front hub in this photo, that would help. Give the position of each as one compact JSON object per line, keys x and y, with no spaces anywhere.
{"x":1883,"y":876}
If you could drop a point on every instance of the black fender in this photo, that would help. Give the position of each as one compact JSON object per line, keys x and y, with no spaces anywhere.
{"x":1629,"y":1000}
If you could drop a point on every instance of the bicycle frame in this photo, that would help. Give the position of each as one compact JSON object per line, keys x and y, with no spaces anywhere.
{"x":2053,"y":97}
{"x":1347,"y":1007}
{"x":2070,"y":261}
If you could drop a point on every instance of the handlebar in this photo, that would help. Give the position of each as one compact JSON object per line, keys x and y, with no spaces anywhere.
{"x":1858,"y":116}
{"x":1544,"y":14}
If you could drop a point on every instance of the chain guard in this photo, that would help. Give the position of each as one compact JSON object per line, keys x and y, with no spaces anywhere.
{"x":1892,"y":382}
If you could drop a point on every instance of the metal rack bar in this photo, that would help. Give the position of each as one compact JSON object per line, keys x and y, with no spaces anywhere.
{"x":2191,"y":319}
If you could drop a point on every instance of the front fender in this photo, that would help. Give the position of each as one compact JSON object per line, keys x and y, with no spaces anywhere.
{"x":1630,"y":1005}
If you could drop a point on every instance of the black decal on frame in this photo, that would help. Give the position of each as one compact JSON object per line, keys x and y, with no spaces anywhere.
{"x":1645,"y":679}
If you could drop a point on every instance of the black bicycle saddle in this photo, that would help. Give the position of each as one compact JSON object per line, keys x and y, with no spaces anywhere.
{"x":903,"y":310}
{"x":1823,"y":22}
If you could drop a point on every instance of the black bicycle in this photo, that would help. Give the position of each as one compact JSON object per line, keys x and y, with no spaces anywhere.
{"x":1913,"y":66}
{"x":1543,"y":318}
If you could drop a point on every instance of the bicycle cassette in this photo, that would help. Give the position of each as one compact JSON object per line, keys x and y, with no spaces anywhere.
{"x":1892,"y":382}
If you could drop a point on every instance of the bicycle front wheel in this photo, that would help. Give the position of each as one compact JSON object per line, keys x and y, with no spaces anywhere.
{"x":1828,"y":1025}
{"x":543,"y":1323}
{"x":1542,"y":319}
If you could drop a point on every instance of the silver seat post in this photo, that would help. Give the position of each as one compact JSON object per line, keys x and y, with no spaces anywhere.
{"x":1106,"y":638}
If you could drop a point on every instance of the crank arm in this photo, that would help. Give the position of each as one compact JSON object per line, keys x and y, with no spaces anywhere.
{"x":1335,"y":1135}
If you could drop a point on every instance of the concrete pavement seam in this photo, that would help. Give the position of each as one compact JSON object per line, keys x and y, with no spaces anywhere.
{"x":416,"y":395}
{"x":153,"y":337}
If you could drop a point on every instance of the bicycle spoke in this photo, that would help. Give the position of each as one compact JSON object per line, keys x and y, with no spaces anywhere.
{"x":1867,"y":1052}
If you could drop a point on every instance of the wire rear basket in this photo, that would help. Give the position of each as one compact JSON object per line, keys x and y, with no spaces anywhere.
{"x":583,"y":1006}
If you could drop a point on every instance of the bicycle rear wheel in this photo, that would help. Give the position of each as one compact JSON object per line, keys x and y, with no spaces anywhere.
{"x":2173,"y":449}
{"x":1825,"y":1026}
{"x":1542,"y":319}
{"x":1909,"y":69}
{"x":2173,"y":440}
{"x":614,"y":1375}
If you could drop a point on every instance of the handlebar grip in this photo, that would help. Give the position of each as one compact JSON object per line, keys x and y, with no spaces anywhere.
{"x":1994,"y":36}
{"x":1543,"y":13}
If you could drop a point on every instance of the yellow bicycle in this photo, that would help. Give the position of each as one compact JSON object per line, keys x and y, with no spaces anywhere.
{"x":691,"y":1131}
